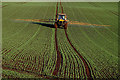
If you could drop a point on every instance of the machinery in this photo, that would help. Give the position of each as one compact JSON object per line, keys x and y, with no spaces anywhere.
{"x":61,"y":20}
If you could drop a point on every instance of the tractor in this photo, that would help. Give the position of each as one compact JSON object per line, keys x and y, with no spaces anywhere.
{"x":61,"y":20}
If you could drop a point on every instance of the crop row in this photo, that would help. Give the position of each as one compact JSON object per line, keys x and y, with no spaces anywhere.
{"x":95,"y":41}
{"x":31,"y":46}
{"x":73,"y":67}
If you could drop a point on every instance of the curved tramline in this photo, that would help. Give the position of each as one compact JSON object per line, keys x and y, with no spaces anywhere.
{"x":59,"y":59}
{"x":72,"y":67}
{"x":37,"y":46}
{"x":57,"y":66}
{"x":87,"y":69}
{"x":99,"y":59}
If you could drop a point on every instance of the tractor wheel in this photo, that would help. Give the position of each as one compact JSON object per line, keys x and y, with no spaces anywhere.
{"x":55,"y":25}
{"x":65,"y":26}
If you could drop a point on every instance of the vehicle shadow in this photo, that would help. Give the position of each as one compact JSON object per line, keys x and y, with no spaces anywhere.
{"x":44,"y":24}
{"x":47,"y":25}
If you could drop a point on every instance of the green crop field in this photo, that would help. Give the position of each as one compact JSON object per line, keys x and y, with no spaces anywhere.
{"x":29,"y":48}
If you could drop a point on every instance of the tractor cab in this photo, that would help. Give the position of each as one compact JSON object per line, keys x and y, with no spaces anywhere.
{"x":61,"y":17}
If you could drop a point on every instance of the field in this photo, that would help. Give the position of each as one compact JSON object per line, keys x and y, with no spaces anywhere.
{"x":29,"y":49}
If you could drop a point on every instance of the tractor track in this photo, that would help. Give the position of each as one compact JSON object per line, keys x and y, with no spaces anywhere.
{"x":59,"y":55}
{"x":69,"y":65}
{"x":59,"y":59}
{"x":61,"y":6}
{"x":87,"y":69}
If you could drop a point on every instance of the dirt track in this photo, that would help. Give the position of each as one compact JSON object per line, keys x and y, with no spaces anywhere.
{"x":59,"y":59}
